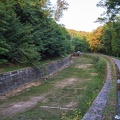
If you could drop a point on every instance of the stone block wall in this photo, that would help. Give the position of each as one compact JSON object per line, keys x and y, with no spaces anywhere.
{"x":14,"y":79}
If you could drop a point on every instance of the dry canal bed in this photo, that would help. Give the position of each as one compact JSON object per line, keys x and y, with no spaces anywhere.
{"x":60,"y":94}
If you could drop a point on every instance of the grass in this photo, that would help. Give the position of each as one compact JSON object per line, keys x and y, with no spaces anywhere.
{"x":11,"y":66}
{"x":115,"y":57}
{"x":91,"y":92}
{"x":110,"y":110}
{"x":83,"y":89}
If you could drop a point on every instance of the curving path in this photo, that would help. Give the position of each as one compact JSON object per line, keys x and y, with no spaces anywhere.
{"x":117,"y":116}
{"x":98,"y":105}
{"x":117,"y":62}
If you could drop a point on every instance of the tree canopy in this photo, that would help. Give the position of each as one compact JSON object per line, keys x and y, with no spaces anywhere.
{"x":28,"y":32}
{"x":79,"y":40}
{"x":59,"y":8}
{"x":110,"y":38}
{"x":112,"y":9}
{"x":106,"y":39}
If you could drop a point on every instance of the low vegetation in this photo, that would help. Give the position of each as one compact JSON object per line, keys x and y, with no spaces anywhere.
{"x":12,"y":66}
{"x":91,"y":91}
{"x":66,"y":95}
{"x":110,"y":109}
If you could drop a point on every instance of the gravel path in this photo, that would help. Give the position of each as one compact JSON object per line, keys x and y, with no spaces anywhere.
{"x":117,"y":62}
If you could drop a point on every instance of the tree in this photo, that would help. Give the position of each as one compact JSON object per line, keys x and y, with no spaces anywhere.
{"x":17,"y":34}
{"x":80,"y":44}
{"x":116,"y":38}
{"x":28,"y":33}
{"x":111,"y":38}
{"x":106,"y":39}
{"x":79,"y":40}
{"x":112,"y":9}
{"x":4,"y":49}
{"x":59,"y":8}
{"x":95,"y":41}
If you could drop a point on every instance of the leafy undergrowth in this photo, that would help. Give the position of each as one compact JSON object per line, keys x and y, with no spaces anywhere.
{"x":66,"y":95}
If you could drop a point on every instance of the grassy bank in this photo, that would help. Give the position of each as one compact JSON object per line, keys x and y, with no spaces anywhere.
{"x":110,"y":109}
{"x":91,"y":91}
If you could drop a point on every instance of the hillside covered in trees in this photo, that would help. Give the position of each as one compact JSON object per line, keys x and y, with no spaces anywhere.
{"x":105,"y":39}
{"x":29,"y":31}
{"x":79,"y":40}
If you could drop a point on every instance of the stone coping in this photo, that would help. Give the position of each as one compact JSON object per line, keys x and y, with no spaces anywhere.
{"x":98,"y":105}
{"x":14,"y":79}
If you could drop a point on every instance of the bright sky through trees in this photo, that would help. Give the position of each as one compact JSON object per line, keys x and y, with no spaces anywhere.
{"x":81,"y":15}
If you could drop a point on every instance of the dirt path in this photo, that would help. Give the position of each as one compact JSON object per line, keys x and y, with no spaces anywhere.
{"x":22,"y":106}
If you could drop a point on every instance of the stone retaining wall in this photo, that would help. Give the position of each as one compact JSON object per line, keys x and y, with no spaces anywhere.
{"x":98,"y":105}
{"x":14,"y":79}
{"x":117,"y":66}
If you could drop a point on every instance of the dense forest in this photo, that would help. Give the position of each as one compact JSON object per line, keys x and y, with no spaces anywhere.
{"x":29,"y":31}
{"x":79,"y":40}
{"x":105,"y":39}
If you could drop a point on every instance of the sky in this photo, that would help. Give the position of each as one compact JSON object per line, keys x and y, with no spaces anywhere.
{"x":81,"y":15}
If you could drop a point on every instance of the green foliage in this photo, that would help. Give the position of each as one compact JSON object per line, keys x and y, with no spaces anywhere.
{"x":4,"y":49}
{"x":111,"y":38}
{"x":106,"y":40}
{"x":75,"y":115}
{"x":115,"y":31}
{"x":91,"y":92}
{"x":79,"y":40}
{"x":112,"y":8}
{"x":28,"y":33}
{"x":80,"y":44}
{"x":59,"y":8}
